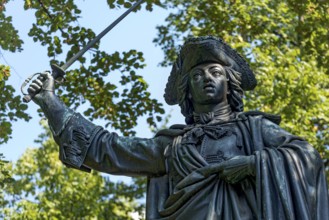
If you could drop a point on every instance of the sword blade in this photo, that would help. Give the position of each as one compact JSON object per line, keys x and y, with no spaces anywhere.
{"x":59,"y":71}
{"x":99,"y":36}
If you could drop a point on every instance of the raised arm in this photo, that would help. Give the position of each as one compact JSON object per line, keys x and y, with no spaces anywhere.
{"x":86,"y":146}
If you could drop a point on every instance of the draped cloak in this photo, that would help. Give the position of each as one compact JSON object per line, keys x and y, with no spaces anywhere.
{"x":182,"y":166}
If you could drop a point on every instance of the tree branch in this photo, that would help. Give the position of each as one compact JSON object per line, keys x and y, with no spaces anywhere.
{"x":49,"y":15}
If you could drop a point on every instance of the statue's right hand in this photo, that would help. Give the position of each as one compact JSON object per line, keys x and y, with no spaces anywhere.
{"x":238,"y":168}
{"x":41,"y":87}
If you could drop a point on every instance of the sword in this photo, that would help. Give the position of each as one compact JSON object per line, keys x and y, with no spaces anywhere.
{"x":59,"y":71}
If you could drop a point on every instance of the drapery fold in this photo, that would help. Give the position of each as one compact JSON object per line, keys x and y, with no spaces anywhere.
{"x":289,"y":180}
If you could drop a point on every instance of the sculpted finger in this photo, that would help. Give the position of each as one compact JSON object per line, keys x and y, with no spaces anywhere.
{"x":232,"y":180}
{"x":222,"y":175}
{"x":31,"y":90}
{"x":37,"y":82}
{"x":46,"y":75}
{"x":35,"y":86}
{"x":41,"y":78}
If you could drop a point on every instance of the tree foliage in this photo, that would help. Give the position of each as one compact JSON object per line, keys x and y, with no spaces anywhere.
{"x":11,"y":107}
{"x":57,"y":26}
{"x":5,"y":177}
{"x":45,"y":189}
{"x":286,"y":44}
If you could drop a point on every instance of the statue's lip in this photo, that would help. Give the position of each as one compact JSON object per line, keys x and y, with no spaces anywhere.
{"x":209,"y":85}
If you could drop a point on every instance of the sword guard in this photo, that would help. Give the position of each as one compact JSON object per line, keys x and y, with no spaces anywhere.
{"x":58,"y":73}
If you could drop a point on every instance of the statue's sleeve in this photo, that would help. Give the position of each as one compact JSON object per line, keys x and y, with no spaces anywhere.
{"x":85,"y":146}
{"x":291,"y":183}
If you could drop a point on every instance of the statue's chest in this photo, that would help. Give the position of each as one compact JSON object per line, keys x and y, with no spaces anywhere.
{"x":221,"y":144}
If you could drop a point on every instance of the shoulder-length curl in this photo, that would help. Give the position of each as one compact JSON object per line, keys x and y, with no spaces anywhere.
{"x":234,"y":95}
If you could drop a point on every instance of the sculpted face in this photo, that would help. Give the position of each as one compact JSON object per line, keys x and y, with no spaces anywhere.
{"x":208,"y":85}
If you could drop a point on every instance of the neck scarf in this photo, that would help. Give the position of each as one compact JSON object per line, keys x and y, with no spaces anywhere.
{"x":222,"y":114}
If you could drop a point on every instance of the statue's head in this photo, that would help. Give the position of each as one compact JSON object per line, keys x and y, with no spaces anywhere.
{"x":204,"y":52}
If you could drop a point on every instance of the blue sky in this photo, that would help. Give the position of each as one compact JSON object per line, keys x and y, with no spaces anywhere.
{"x":136,"y":31}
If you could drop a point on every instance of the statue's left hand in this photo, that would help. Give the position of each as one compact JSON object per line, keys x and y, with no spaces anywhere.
{"x":237,"y":168}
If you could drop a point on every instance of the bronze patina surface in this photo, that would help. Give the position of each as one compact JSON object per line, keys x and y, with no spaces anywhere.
{"x":222,"y":164}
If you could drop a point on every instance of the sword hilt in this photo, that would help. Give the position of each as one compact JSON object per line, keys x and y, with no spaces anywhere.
{"x":57,"y":73}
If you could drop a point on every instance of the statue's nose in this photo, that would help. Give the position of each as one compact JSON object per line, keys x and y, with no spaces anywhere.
{"x":207,"y":76}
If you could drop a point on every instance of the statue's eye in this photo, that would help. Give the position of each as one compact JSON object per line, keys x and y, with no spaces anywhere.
{"x":196,"y":76}
{"x":216,"y":72}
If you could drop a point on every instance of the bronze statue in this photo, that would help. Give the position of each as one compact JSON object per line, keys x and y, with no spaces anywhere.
{"x":223,"y":164}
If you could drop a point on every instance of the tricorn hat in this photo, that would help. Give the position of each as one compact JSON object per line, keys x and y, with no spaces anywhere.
{"x":207,"y":49}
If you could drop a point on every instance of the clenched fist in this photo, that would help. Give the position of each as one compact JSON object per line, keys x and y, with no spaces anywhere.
{"x":41,"y":87}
